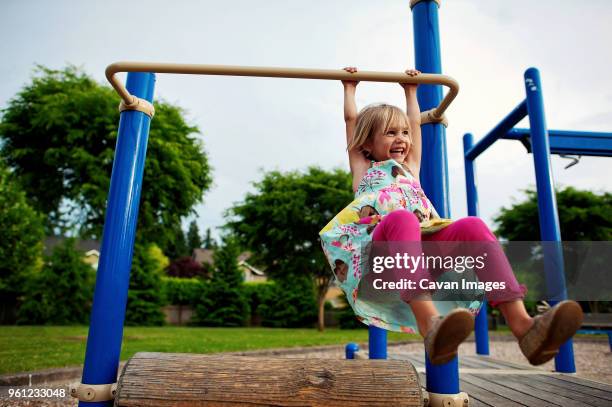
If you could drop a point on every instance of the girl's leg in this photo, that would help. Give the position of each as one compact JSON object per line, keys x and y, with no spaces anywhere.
{"x":397,"y":228}
{"x":496,"y":267}
{"x":442,"y":337}
{"x":516,"y":317}
{"x":539,"y":337}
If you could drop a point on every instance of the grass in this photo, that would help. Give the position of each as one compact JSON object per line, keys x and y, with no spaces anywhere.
{"x":28,"y":348}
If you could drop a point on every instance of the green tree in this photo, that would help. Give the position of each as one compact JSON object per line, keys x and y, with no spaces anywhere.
{"x":194,"y":241}
{"x":177,"y":246}
{"x":146,"y":294}
{"x":583,"y":215}
{"x":20,"y":245}
{"x":209,"y":241}
{"x":158,"y":256}
{"x":224,"y":302}
{"x":280,"y":223}
{"x":58,"y":134}
{"x":289,"y":304}
{"x":62,"y":292}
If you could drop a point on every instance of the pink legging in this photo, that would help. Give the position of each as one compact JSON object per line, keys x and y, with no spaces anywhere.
{"x":403,"y":226}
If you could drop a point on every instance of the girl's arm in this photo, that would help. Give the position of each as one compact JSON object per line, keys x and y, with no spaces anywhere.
{"x":358,"y":163}
{"x":414,"y":116}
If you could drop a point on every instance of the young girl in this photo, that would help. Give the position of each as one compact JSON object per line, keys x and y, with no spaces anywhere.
{"x":384,"y":147}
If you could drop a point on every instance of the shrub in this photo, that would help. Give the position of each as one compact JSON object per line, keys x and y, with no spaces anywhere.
{"x":288,"y":303}
{"x":61,"y":293}
{"x":224,"y":301}
{"x":20,"y":245}
{"x":145,"y":295}
{"x":183,"y":291}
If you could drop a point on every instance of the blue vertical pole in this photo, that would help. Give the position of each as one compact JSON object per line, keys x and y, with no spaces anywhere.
{"x":377,"y":343}
{"x":434,"y":168}
{"x":550,"y":230}
{"x":113,"y":276}
{"x":481,"y":327}
{"x":437,"y":378}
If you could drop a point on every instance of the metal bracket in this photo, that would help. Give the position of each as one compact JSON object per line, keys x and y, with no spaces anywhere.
{"x":428,"y":117}
{"x":93,"y":392}
{"x":138,"y":104}
{"x":445,"y":400}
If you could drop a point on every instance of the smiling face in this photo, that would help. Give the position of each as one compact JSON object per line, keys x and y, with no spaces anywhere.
{"x":382,"y":132}
{"x":392,"y":142}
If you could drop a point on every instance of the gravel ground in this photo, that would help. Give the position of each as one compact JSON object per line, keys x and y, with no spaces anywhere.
{"x":593,"y":361}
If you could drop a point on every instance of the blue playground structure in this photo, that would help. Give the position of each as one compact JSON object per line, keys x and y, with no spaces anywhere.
{"x":541,"y":142}
{"x":112,"y":280}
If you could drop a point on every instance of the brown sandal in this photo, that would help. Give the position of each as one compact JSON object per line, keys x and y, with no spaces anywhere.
{"x":446,"y":334}
{"x":551,"y":330}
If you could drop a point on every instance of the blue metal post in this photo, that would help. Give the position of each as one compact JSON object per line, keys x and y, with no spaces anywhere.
{"x":112,"y":279}
{"x":481,"y":328}
{"x":443,"y":379}
{"x":550,"y":230}
{"x":377,"y":343}
{"x":350,"y":350}
{"x":434,"y":168}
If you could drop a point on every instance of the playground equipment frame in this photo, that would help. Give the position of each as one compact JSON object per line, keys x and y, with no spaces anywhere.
{"x":130,"y":102}
{"x":112,"y":279}
{"x":541,"y":142}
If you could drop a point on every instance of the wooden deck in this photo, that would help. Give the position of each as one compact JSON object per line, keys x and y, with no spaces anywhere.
{"x":491,"y":382}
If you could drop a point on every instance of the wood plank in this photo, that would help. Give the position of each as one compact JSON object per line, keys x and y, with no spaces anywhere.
{"x":478,"y":403}
{"x":574,"y":396}
{"x":506,"y":364}
{"x":600,"y":397}
{"x":585,"y":382}
{"x":486,"y":396}
{"x":170,"y":379}
{"x":541,"y":391}
{"x":580,"y":387}
{"x":508,"y":392}
{"x":417,"y":360}
{"x":487,"y":362}
{"x":467,"y":362}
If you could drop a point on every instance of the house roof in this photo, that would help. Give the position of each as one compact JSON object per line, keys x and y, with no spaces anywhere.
{"x":206,"y":256}
{"x":253,"y":269}
{"x":83,"y":246}
{"x":203,"y":256}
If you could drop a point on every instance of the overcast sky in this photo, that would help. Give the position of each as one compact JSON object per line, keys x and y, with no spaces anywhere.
{"x":254,"y":124}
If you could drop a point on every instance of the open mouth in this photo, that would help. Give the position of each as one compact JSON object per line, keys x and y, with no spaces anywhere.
{"x":398,"y":150}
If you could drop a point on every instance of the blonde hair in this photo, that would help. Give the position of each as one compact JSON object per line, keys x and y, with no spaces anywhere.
{"x":373,"y":118}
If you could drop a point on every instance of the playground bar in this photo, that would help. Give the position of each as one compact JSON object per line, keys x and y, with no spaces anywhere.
{"x":112,"y":279}
{"x":299,"y":73}
{"x":434,"y":170}
{"x":498,"y":131}
{"x":481,"y":327}
{"x":569,"y":141}
{"x":550,"y":230}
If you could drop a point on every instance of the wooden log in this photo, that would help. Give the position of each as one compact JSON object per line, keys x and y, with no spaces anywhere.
{"x":181,"y":379}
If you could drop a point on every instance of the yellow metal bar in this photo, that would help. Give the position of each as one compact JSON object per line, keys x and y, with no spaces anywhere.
{"x":300,"y":73}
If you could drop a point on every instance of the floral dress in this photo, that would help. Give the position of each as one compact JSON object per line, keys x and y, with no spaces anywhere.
{"x":385,"y":187}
